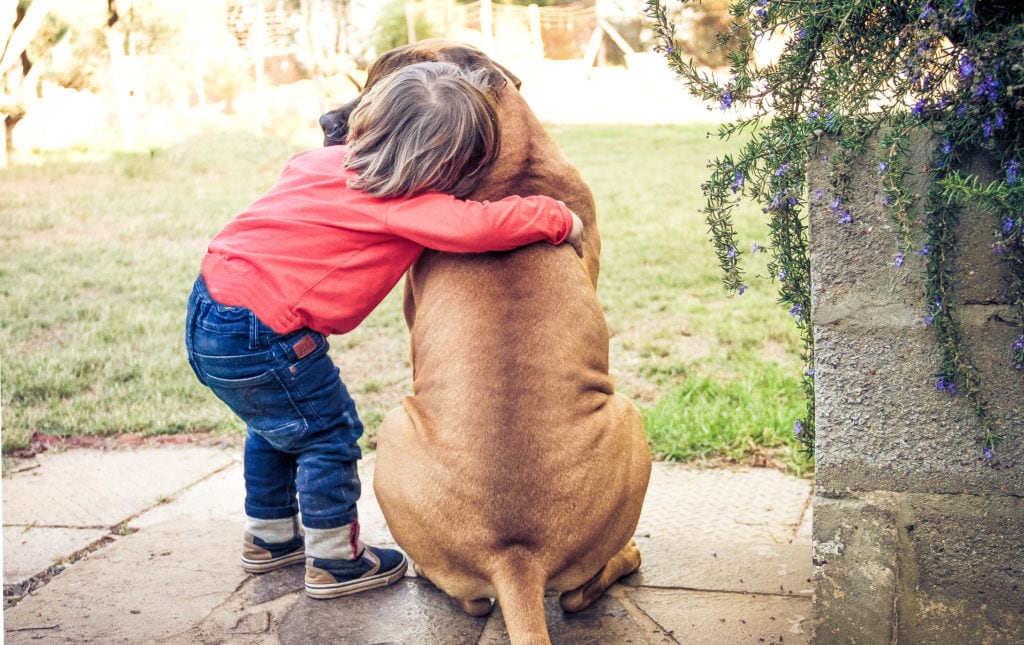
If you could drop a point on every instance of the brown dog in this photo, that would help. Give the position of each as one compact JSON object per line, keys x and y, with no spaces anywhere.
{"x":514,"y":468}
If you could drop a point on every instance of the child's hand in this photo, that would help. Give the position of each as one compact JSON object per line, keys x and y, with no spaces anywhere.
{"x":575,"y":239}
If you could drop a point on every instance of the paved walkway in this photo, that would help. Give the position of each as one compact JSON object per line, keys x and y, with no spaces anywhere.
{"x":140,"y":545}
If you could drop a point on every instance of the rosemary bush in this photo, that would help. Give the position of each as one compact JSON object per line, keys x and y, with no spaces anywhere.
{"x":850,"y":70}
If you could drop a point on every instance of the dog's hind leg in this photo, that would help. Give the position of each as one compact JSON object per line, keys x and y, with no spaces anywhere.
{"x":475,"y":607}
{"x":622,"y":563}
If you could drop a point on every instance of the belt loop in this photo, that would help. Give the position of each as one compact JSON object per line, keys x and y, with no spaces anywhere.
{"x":254,"y":332}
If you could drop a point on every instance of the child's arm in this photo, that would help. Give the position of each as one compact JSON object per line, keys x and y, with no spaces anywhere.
{"x":445,"y":223}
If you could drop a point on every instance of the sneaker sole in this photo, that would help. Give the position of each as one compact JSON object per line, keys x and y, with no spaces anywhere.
{"x":323,"y":592}
{"x":263,"y":566}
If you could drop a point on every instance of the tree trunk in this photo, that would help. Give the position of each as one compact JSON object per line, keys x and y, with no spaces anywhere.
{"x":18,"y":83}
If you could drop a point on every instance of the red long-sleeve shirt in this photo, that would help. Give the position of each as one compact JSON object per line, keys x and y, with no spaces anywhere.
{"x":314,"y":253}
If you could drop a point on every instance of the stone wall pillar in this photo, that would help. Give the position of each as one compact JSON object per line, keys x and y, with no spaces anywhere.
{"x":917,"y":538}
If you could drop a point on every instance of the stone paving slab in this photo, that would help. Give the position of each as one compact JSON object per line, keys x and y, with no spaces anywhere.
{"x":217,"y":497}
{"x":79,"y":488}
{"x":710,"y":618}
{"x":724,"y":505}
{"x":60,"y":503}
{"x":29,"y":550}
{"x":150,"y":586}
{"x":691,"y":563}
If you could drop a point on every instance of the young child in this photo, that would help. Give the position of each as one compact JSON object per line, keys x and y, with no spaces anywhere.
{"x":313,"y":257}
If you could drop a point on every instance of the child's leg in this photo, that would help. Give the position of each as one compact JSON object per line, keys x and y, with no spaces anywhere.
{"x":337,"y":562}
{"x":272,"y":537}
{"x":303,"y":430}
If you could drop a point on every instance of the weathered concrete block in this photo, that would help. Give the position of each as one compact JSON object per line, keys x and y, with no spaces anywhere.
{"x":917,"y":568}
{"x":962,"y":569}
{"x":882,"y":424}
{"x":855,"y":568}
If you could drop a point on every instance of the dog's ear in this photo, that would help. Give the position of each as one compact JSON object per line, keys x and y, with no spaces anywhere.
{"x":516,"y":81}
{"x":472,"y":58}
{"x":399,"y":57}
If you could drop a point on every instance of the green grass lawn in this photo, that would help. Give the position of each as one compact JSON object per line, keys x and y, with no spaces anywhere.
{"x":99,"y":254}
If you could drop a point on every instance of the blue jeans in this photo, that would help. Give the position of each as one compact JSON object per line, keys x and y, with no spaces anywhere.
{"x":301,"y":423}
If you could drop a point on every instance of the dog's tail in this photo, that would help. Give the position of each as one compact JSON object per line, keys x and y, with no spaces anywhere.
{"x":519,"y":584}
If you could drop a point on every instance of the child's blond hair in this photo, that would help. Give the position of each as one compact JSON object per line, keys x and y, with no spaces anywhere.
{"x":428,"y":127}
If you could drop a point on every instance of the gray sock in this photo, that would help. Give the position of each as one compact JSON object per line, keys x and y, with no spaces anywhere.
{"x":272,"y":531}
{"x":341,"y":543}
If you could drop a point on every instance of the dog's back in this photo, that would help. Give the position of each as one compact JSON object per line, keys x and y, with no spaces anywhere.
{"x":514,"y":468}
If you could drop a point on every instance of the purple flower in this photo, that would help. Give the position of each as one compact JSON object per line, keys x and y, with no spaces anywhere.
{"x":882,"y":167}
{"x":755,"y":247}
{"x":1019,"y":344}
{"x":925,"y":250}
{"x":1008,"y":224}
{"x":929,"y":319}
{"x":966,"y":67}
{"x":783,"y":169}
{"x":798,"y":428}
{"x":797,"y":312}
{"x":986,"y":129}
{"x":726,"y":100}
{"x":732,"y":252}
{"x":928,"y":10}
{"x":918,"y":108}
{"x":737,"y":181}
{"x":987,"y":452}
{"x":988,"y":87}
{"x":898,"y":260}
{"x":845,"y":216}
{"x":836,"y":203}
{"x":810,"y":372}
{"x":742,"y":289}
{"x":1000,"y":120}
{"x":1011,"y":172}
{"x":818,"y":194}
{"x":782,"y":275}
{"x":945,"y":384}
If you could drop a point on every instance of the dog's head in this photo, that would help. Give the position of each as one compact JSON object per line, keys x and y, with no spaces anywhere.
{"x":335,"y":122}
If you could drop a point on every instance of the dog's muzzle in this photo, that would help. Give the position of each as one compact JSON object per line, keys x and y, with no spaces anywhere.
{"x":335,"y":129}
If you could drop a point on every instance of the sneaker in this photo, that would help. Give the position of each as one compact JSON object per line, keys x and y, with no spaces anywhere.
{"x":260,"y":557}
{"x":376,"y":567}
